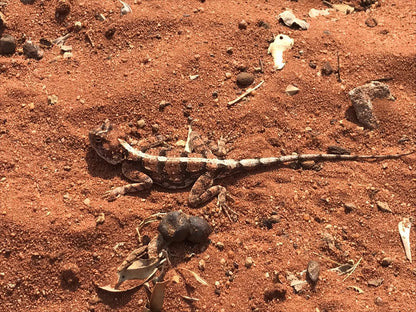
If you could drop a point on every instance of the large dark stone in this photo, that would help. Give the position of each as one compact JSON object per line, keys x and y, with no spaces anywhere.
{"x":7,"y":45}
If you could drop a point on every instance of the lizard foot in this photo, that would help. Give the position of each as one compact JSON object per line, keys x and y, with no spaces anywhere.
{"x":113,"y":194}
{"x":223,"y":206}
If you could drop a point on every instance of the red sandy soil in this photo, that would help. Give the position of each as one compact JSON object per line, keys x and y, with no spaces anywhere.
{"x":48,"y":170}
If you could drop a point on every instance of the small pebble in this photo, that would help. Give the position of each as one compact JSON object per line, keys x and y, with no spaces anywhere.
{"x":220,"y":246}
{"x":349,"y":207}
{"x":383,"y":206}
{"x":326,"y":69}
{"x":31,"y":50}
{"x":249,"y":262}
{"x":292,"y":90}
{"x":201,"y":265}
{"x":242,"y":25}
{"x":313,"y":271}
{"x":228,"y":75}
{"x":7,"y":45}
{"x":100,"y":218}
{"x":77,"y":26}
{"x":155,"y":128}
{"x":244,"y":79}
{"x":52,"y":99}
{"x":387,"y":261}
{"x":62,"y":9}
{"x":87,"y":201}
{"x":375,"y":282}
{"x":141,"y":123}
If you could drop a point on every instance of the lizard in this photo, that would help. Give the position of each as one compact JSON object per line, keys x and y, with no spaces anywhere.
{"x":197,"y":166}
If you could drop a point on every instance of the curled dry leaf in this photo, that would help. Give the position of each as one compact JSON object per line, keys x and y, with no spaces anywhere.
{"x":142,"y":269}
{"x":110,"y":289}
{"x":404,"y":230}
{"x":289,"y":19}
{"x":157,"y":297}
{"x":190,"y":298}
{"x":196,"y":276}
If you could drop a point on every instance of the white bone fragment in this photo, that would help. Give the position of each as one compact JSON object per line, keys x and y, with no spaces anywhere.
{"x":280,"y":44}
{"x":404,"y":230}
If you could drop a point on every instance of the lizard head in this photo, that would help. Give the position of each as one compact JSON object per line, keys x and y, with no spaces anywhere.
{"x":104,"y":140}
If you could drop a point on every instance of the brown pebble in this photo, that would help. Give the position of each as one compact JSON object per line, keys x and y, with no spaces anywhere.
{"x":385,"y":262}
{"x":326,"y":69}
{"x":62,"y":9}
{"x":31,"y":50}
{"x":383,"y":206}
{"x":242,"y":25}
{"x":244,"y":79}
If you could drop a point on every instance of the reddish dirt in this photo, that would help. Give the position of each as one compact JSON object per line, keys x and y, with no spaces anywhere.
{"x":48,"y":170}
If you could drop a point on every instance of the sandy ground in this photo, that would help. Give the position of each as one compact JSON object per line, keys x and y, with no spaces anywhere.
{"x":122,"y":68}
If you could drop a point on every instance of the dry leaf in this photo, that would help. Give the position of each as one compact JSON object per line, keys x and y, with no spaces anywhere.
{"x":404,"y":230}
{"x":196,"y":276}
{"x":157,"y":297}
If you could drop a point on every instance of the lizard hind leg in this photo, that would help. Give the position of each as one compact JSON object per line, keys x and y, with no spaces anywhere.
{"x":203,"y":191}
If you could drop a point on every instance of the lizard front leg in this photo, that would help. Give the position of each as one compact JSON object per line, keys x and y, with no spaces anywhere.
{"x":130,"y":171}
{"x":203,"y":191}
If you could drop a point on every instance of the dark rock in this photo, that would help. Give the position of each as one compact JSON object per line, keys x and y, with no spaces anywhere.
{"x":69,"y":274}
{"x":313,"y":271}
{"x":242,"y":25}
{"x":174,"y":227}
{"x":385,"y":262}
{"x":27,"y":1}
{"x":7,"y":45}
{"x":199,"y":230}
{"x":263,"y":24}
{"x":349,"y":207}
{"x":244,"y":79}
{"x":326,"y":69}
{"x":109,"y":34}
{"x":31,"y":50}
{"x":312,"y":65}
{"x":62,"y":9}
{"x":278,"y":293}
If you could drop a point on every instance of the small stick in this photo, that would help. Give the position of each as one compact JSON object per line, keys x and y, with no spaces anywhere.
{"x":380,"y":79}
{"x":261,"y":65}
{"x":352,"y":270}
{"x":338,"y":70}
{"x":231,"y":103}
{"x":87,"y":35}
